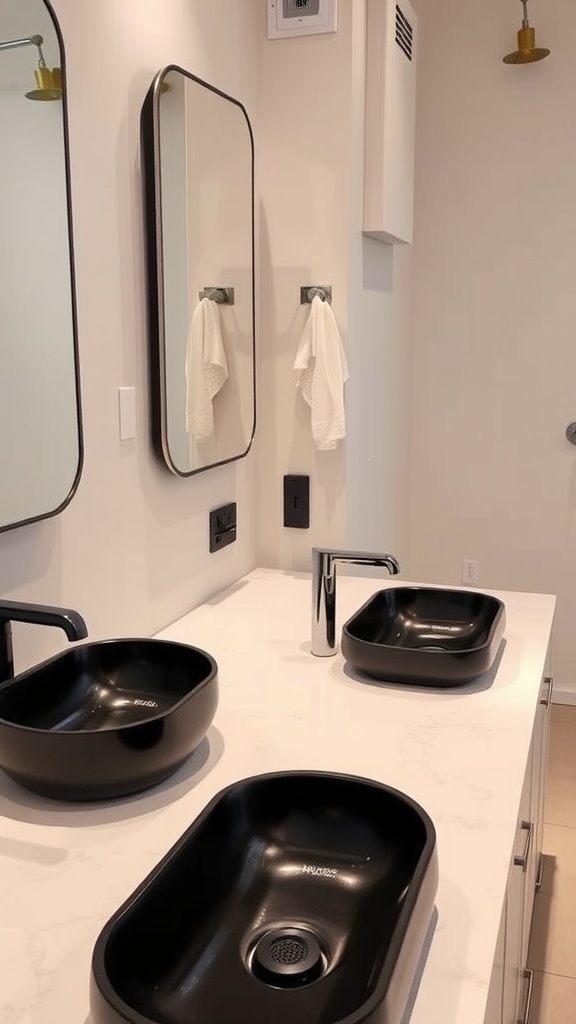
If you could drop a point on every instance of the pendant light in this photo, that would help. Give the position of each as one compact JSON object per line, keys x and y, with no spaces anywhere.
{"x":527,"y":51}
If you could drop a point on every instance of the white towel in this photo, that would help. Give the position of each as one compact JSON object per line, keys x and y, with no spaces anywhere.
{"x":322,"y":371}
{"x":206,"y":369}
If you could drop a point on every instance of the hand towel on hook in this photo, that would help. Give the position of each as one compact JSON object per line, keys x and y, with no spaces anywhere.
{"x":206,"y":369}
{"x":322,"y":371}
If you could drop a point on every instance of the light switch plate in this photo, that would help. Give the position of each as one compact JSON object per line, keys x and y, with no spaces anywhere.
{"x":297,"y":501}
{"x":301,"y":17}
{"x":223,"y":524}
{"x":127,"y":413}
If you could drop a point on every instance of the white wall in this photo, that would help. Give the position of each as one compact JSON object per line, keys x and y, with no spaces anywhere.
{"x":131,"y":550}
{"x":305,"y":173}
{"x":378,"y":398}
{"x":493,"y":477}
{"x":494,"y":305}
{"x":311,"y":160}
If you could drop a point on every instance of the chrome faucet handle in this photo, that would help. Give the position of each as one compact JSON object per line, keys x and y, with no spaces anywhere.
{"x":377,"y":558}
{"x":324,"y":561}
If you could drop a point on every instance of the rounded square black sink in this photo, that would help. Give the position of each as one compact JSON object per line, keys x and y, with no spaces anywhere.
{"x":294,"y":897}
{"x":425,"y":635}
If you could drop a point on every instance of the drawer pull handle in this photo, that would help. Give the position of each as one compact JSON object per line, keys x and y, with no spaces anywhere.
{"x":546,"y":696}
{"x":521,"y":860}
{"x":525,"y":1019}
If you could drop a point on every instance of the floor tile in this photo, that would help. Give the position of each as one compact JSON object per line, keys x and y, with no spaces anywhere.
{"x":561,"y":792}
{"x":554,"y":999}
{"x":552,"y":940}
{"x":563,"y":713}
{"x":559,"y":845}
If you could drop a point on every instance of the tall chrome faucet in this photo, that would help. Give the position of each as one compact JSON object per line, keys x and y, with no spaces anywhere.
{"x":43,"y":615}
{"x":324,"y":562}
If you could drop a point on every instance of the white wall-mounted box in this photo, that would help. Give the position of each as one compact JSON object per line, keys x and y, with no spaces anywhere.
{"x":391,"y":48}
{"x":301,"y":17}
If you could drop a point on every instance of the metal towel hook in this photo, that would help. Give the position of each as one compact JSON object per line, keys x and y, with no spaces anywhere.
{"x":223,"y":296}
{"x":309,"y":292}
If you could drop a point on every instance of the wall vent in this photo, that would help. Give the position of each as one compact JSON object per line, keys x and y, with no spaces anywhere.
{"x":391,"y":60}
{"x":404,"y":33}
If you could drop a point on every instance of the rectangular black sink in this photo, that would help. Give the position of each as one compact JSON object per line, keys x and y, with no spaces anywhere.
{"x":425,"y":635}
{"x":295,"y":898}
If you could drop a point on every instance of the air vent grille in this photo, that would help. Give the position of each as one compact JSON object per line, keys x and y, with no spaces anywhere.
{"x":404,"y":33}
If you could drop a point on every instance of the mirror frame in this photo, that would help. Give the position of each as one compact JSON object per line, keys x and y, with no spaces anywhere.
{"x":152,"y":180}
{"x":73,"y":306}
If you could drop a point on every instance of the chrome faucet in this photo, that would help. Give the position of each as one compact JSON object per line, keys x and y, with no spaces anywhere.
{"x":324,"y":563}
{"x":43,"y":615}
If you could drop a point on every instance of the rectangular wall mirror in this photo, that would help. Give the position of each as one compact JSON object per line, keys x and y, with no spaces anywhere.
{"x":198,"y":156}
{"x":40,"y":435}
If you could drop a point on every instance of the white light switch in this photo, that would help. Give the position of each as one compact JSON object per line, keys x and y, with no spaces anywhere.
{"x":127,"y":411}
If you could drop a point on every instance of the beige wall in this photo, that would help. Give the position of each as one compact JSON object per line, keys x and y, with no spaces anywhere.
{"x":131,"y":551}
{"x":305,"y":168}
{"x":489,"y":285}
{"x":311,"y":144}
{"x":493,"y":477}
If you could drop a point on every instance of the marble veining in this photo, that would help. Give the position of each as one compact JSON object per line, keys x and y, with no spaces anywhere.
{"x":461,"y":755}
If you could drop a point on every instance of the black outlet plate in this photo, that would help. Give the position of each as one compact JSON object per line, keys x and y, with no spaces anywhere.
{"x":297,"y":501}
{"x":222,"y":526}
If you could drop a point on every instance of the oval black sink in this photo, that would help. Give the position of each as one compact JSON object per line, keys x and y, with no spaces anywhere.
{"x":294,"y":897}
{"x":425,"y":635}
{"x":106,"y":719}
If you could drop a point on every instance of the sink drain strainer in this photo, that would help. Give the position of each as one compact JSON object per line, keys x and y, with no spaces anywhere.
{"x":287,"y":957}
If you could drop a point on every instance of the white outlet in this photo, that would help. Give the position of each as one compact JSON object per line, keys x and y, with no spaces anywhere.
{"x":469,"y":570}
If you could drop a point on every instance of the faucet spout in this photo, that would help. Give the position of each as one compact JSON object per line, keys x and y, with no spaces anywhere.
{"x":41,"y":614}
{"x":324,"y":562}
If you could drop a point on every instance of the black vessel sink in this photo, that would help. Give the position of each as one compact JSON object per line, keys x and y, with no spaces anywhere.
{"x":106,"y":719}
{"x":294,"y":897}
{"x":425,"y":635}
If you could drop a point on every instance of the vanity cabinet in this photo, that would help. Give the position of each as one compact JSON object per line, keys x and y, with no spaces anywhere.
{"x":540,"y":770}
{"x":495,"y":992}
{"x":510,"y":993}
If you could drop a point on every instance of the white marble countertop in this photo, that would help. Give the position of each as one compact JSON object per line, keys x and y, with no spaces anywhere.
{"x":461,"y":753}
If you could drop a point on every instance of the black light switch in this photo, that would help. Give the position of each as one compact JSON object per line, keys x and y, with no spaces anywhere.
{"x":222,"y":526}
{"x":297,"y":501}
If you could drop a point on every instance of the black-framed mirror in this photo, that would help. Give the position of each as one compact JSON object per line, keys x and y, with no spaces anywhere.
{"x":40,"y":423}
{"x":198,"y":156}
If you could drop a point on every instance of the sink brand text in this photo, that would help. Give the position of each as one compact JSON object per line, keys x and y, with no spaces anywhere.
{"x":310,"y":869}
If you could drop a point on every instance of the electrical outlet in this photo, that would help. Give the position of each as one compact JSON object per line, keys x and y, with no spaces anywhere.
{"x":222,"y":526}
{"x":469,"y":570}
